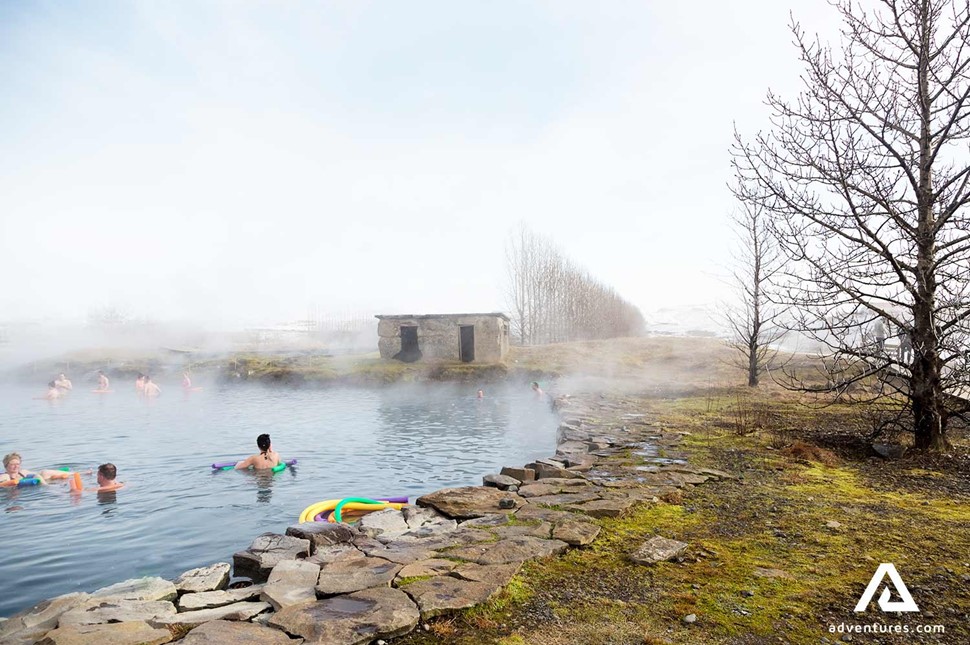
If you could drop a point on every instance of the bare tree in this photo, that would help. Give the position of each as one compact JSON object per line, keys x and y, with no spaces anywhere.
{"x":865,"y":177}
{"x":552,"y":300}
{"x":752,"y":320}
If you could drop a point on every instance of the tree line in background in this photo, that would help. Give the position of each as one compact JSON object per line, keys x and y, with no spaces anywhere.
{"x":856,"y":196}
{"x":552,"y":300}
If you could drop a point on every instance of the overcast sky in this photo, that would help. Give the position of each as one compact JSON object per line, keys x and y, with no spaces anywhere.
{"x":241,"y":161}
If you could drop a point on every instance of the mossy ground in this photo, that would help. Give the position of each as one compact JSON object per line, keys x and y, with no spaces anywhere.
{"x":813,"y":523}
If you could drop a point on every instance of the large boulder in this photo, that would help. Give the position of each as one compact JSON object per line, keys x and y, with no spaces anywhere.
{"x":266,"y":551}
{"x":357,"y":618}
{"x":470,"y":501}
{"x":223,"y":632}
{"x":126,"y":633}
{"x":211,"y":578}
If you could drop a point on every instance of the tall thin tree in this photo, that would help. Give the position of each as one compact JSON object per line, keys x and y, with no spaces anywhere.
{"x":752,"y":319}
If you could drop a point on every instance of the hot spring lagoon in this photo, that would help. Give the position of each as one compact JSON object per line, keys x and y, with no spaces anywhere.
{"x":175,"y":513}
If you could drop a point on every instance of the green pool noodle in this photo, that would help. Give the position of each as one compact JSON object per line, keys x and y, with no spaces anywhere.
{"x":362,"y":500}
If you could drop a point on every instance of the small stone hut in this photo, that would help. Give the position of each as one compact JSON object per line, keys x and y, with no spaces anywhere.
{"x":482,"y":338}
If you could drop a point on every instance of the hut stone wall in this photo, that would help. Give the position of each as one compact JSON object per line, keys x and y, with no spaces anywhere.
{"x":439,"y":336}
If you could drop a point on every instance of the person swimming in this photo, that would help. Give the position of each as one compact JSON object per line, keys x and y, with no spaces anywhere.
{"x":186,"y":381}
{"x":107,"y":473}
{"x":537,"y":390}
{"x":150,"y":388}
{"x":103,"y":383}
{"x":63,"y":382}
{"x":140,"y":382}
{"x":52,"y":392}
{"x":267,"y":457}
{"x":12,"y":470}
{"x":481,"y":394}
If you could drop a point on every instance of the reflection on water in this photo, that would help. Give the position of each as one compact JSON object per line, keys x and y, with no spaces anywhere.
{"x":175,"y":513}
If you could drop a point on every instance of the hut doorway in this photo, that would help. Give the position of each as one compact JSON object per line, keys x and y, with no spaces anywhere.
{"x":409,"y":344}
{"x":466,"y":348}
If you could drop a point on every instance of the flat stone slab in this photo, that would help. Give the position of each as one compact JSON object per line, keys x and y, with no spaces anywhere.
{"x":495,"y":574}
{"x":126,"y":633}
{"x":321,"y":534}
{"x":432,"y":567}
{"x":576,"y":532}
{"x":419,"y":517}
{"x":463,"y":536}
{"x":469,"y":501}
{"x":222,"y":632}
{"x":34,"y":622}
{"x":221,"y":598}
{"x":515,"y":549}
{"x":547,"y":468}
{"x":399,"y":552}
{"x":357,"y":618}
{"x":446,"y":594}
{"x":490,"y":521}
{"x":501,"y":482}
{"x":564,"y":499}
{"x":291,"y":582}
{"x":333,"y":552}
{"x":211,"y":578}
{"x":139,"y":589}
{"x":388,"y":522}
{"x":658,"y":549}
{"x":235,"y":611}
{"x":98,"y":611}
{"x":355,"y":574}
{"x":521,"y":474}
{"x":534,"y":529}
{"x":572,"y":528}
{"x":266,"y":551}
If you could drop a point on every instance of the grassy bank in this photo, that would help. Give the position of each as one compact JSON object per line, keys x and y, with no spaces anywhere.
{"x":778,"y":555}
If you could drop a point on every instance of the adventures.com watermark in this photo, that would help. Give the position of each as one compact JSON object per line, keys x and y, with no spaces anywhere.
{"x":886,"y":604}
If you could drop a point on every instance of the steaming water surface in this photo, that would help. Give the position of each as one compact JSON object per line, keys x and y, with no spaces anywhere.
{"x":176,"y":514}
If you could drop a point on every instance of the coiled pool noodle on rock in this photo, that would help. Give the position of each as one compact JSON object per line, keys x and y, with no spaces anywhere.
{"x":311,"y":512}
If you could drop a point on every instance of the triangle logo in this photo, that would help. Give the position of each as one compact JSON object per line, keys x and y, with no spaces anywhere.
{"x":906,"y":604}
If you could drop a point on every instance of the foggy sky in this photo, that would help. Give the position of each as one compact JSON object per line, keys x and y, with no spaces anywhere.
{"x":244,"y":161}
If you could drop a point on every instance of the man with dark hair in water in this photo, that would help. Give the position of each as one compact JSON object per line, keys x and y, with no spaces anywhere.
{"x":267,"y":457}
{"x":107,"y":473}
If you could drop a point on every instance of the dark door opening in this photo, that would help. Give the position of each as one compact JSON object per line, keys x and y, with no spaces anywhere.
{"x":409,"y":344}
{"x":466,"y":348}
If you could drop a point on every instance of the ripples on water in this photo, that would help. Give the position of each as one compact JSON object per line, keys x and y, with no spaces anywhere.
{"x":176,"y":514}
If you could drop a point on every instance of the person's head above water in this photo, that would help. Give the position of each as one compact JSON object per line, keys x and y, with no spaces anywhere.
{"x":107,"y":474}
{"x":11,"y":462}
{"x":52,"y":384}
{"x":535,"y":385}
{"x":263,"y":442}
